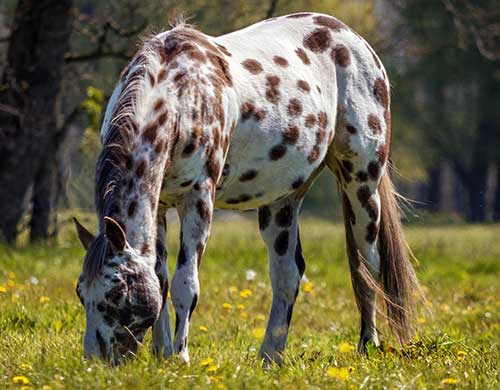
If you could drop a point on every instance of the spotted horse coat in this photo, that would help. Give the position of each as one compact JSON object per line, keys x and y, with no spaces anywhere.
{"x":242,"y":121}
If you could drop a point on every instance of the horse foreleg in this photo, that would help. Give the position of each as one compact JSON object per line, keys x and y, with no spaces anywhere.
{"x":279,"y":229}
{"x":162,"y":335}
{"x":195,"y":214}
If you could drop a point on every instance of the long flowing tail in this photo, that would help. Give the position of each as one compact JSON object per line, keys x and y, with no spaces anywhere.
{"x":398,"y":281}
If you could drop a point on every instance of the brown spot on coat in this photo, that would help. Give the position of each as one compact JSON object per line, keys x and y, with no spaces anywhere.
{"x":371,"y":232}
{"x":361,"y":176}
{"x":310,"y":120}
{"x":297,"y":183}
{"x":294,"y":107}
{"x":141,"y":167}
{"x":264,"y":215}
{"x":284,"y":216}
{"x":381,"y":92}
{"x":350,"y":216}
{"x":131,"y":208}
{"x":162,"y":75}
{"x":340,"y":55}
{"x":151,"y":78}
{"x":374,"y":124}
{"x":351,"y":129}
{"x":253,"y":66}
{"x":277,"y":152}
{"x":272,"y":91}
{"x":347,"y":165}
{"x":281,"y":243}
{"x":248,"y":175}
{"x":303,"y":56}
{"x":223,"y":49}
{"x":373,"y":170}
{"x":158,"y":104}
{"x":203,"y":210}
{"x":330,"y":22}
{"x":149,"y":133}
{"x":280,"y":61}
{"x":314,"y":155}
{"x":303,"y":85}
{"x":318,"y":40}
{"x":291,"y":135}
{"x":248,"y":111}
{"x":323,"y":119}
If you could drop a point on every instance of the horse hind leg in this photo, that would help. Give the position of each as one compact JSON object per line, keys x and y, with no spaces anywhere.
{"x":357,"y":156}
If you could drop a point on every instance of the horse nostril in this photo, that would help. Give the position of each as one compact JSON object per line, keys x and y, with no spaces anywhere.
{"x":102,"y":344}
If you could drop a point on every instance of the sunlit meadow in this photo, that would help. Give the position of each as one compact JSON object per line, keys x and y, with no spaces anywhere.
{"x":457,"y":345}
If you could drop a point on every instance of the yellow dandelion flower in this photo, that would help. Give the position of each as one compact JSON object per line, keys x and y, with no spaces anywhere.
{"x":239,"y":306}
{"x":206,"y":361}
{"x":461,"y":355}
{"x":340,"y":373}
{"x":227,"y":306}
{"x":307,"y":287}
{"x":25,"y":366}
{"x":25,"y":387}
{"x":245,"y":293}
{"x":44,"y":299}
{"x":11,"y":283}
{"x":258,"y":333}
{"x":260,"y":317}
{"x":345,"y":347}
{"x":214,"y":379}
{"x":203,"y":328}
{"x":3,"y":289}
{"x":20,"y":380}
{"x":212,"y":368}
{"x":449,"y":381}
{"x":421,"y":320}
{"x":243,"y":315}
{"x":233,"y":289}
{"x":12,"y":275}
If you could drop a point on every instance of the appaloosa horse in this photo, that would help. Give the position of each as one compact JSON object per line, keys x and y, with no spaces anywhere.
{"x":243,"y":121}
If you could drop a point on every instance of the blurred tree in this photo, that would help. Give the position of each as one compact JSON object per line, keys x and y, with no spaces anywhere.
{"x":451,"y":90}
{"x":30,"y":86}
{"x":36,"y":120}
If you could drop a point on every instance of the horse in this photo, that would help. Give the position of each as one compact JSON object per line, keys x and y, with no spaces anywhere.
{"x":242,"y":121}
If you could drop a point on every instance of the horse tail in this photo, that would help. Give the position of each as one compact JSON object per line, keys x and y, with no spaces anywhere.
{"x":398,"y":281}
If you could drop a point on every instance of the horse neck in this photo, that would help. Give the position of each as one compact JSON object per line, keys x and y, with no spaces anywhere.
{"x":134,"y":195}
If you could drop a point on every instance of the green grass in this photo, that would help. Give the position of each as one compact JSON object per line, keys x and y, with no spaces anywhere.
{"x":41,"y":325}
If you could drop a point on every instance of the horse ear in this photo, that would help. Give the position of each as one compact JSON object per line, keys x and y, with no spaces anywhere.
{"x":115,"y":234}
{"x":84,"y":235}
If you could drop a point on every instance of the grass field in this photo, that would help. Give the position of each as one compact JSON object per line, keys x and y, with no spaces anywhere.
{"x":457,"y":346}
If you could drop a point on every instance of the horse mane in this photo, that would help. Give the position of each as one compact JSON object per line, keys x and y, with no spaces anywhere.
{"x":94,"y":258}
{"x":115,"y":158}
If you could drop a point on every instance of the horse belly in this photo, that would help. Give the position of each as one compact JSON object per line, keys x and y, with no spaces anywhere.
{"x":261,"y":169}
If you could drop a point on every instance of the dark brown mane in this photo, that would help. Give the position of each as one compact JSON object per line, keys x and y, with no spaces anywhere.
{"x":115,"y":157}
{"x":94,"y":259}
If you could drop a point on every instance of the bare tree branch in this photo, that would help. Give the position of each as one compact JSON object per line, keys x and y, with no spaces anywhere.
{"x":480,"y":23}
{"x":272,"y":9}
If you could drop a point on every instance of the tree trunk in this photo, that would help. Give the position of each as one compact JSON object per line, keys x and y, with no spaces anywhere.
{"x":476,"y":189}
{"x":43,"y":196}
{"x":35,"y":59}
